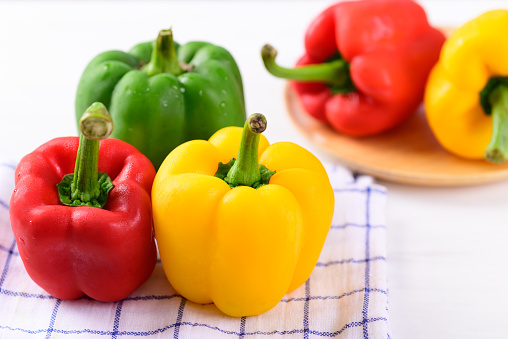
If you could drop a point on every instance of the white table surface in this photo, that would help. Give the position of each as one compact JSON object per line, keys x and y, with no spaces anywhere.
{"x":447,"y":247}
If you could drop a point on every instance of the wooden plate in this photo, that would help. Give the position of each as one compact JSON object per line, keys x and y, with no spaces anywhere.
{"x":408,"y":154}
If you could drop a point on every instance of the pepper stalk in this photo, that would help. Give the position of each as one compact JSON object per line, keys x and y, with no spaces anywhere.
{"x":245,"y":170}
{"x":164,"y":58}
{"x":87,"y":186}
{"x":334,"y":72}
{"x":497,"y":150}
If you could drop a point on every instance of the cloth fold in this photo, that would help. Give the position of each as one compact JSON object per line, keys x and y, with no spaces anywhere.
{"x":345,"y":297}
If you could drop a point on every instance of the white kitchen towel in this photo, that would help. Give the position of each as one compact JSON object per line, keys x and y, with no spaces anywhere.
{"x":345,"y":297}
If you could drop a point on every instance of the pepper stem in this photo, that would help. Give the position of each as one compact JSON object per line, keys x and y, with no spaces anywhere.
{"x":245,"y":171}
{"x":497,"y":150}
{"x":87,"y":186}
{"x":335,"y":73}
{"x":164,"y":58}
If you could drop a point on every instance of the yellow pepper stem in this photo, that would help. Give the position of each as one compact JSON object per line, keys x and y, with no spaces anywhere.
{"x":497,"y":150}
{"x":245,"y":171}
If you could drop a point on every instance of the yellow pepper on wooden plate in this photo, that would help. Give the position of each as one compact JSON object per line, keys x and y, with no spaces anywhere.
{"x":240,"y":233}
{"x":466,"y":97}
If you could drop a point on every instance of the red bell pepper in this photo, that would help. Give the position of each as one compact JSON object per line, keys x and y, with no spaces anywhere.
{"x":71,"y":251}
{"x":365,"y":66}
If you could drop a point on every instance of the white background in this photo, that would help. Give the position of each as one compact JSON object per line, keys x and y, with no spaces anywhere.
{"x":447,"y":247}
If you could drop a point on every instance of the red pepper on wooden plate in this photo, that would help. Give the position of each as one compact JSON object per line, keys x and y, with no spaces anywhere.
{"x":365,"y":66}
{"x":92,"y":235}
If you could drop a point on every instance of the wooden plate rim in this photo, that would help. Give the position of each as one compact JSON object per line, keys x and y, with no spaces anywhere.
{"x":495,"y":172}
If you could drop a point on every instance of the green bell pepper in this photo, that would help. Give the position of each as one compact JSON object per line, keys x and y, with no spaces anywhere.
{"x":161,"y":94}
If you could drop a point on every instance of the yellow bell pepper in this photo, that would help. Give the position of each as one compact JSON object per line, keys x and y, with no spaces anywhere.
{"x":238,"y":234}
{"x":466,"y":97}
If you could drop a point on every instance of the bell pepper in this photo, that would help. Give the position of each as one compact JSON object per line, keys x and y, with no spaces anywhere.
{"x":80,"y":231}
{"x":264,"y":213}
{"x":161,"y":95}
{"x":466,"y":99}
{"x":365,"y":64}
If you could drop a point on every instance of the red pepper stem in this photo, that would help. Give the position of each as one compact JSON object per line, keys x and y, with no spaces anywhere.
{"x":497,"y":150}
{"x":245,"y":171}
{"x":335,"y":72}
{"x":164,"y":58}
{"x":95,"y":124}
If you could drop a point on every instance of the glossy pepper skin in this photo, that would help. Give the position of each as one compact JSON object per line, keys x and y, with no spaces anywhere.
{"x":365,"y":64}
{"x":161,"y":95}
{"x":246,"y":247}
{"x":466,"y":98}
{"x":104,"y":253}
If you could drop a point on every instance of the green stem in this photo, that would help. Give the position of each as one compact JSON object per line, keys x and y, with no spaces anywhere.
{"x":335,"y":73}
{"x":497,"y":150}
{"x":245,"y":171}
{"x":87,"y":186}
{"x":164,"y":58}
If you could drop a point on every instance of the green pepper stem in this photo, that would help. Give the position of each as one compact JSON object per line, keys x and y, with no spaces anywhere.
{"x":245,"y":171}
{"x":335,"y":72}
{"x":497,"y":150}
{"x":95,"y":124}
{"x":164,"y":58}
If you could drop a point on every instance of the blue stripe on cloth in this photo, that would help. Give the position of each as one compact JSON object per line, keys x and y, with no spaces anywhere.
{"x":116,"y":323}
{"x":365,"y":310}
{"x":3,"y":248}
{"x":49,"y":331}
{"x":4,"y":204}
{"x":163,"y":297}
{"x":7,"y":249}
{"x":306,"y":310}
{"x":355,"y":225}
{"x":161,"y":330}
{"x":7,"y":263}
{"x":44,"y":296}
{"x":11,"y":166}
{"x":349,"y":325}
{"x":367,"y":190}
{"x":335,"y":297}
{"x":179,"y":319}
{"x":242,"y":328}
{"x":348,"y":261}
{"x":25,"y":295}
{"x":153,"y":297}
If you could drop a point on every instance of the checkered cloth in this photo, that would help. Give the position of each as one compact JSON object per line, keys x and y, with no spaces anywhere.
{"x":345,"y":297}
